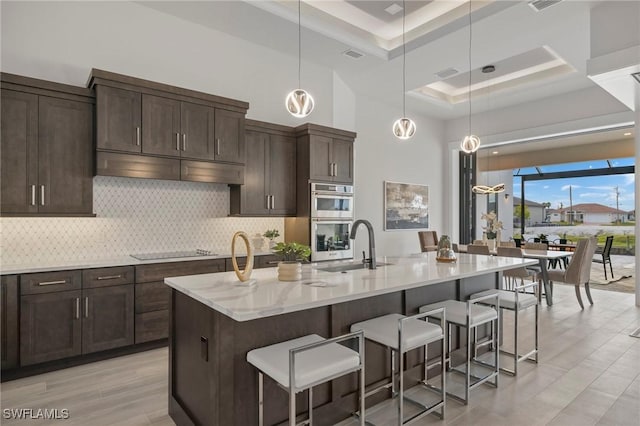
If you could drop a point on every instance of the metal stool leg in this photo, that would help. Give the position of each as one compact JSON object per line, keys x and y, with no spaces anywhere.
{"x":260,"y":399}
{"x":310,"y":406}
{"x":292,"y":408}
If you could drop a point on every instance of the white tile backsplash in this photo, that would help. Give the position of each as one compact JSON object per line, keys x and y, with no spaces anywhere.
{"x":133,"y":216}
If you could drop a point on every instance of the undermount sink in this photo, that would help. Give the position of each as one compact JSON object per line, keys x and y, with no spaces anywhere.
{"x":349,"y":267}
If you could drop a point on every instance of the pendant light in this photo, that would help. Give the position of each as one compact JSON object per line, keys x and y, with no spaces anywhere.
{"x":299,"y":102}
{"x":404,"y":128}
{"x":484,"y":189}
{"x":471,"y":142}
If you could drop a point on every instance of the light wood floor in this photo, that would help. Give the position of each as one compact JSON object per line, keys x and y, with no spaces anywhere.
{"x":589,"y":374}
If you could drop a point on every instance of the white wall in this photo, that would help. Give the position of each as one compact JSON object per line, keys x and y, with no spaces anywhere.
{"x":381,"y":157}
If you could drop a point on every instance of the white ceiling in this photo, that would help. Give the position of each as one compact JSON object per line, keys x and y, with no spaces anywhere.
{"x":501,"y":30}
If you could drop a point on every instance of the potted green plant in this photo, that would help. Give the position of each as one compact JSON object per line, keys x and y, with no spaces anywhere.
{"x":293,"y":254}
{"x":271,"y":234}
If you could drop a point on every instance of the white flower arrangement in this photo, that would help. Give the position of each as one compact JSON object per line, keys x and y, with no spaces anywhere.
{"x":493,"y":224}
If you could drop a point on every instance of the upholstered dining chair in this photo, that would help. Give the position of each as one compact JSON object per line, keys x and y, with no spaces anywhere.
{"x":606,"y":256}
{"x":428,"y":240}
{"x":578,"y":272}
{"x":536,"y":246}
{"x":478,"y":249}
{"x":521,"y":273}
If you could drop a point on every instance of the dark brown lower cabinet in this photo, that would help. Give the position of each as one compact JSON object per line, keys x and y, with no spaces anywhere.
{"x":9,"y":321}
{"x":50,"y":326}
{"x":107,"y":318}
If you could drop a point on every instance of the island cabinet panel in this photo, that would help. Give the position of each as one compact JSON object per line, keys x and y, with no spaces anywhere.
{"x":50,"y":326}
{"x":118,"y":119}
{"x":9,"y":321}
{"x":47,"y":148}
{"x":107,"y":318}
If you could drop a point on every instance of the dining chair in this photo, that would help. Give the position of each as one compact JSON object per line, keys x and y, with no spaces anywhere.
{"x":478,"y":249}
{"x":519,"y":273}
{"x":606,"y":256}
{"x":536,"y":246}
{"x":578,"y":271}
{"x":428,"y":240}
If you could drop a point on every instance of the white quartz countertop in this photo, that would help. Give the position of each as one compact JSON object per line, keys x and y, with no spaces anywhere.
{"x":8,"y":269}
{"x":268,"y":296}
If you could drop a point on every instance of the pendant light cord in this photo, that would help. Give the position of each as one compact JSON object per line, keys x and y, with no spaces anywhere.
{"x":469,"y":87}
{"x":299,"y":46}
{"x":404,"y":64}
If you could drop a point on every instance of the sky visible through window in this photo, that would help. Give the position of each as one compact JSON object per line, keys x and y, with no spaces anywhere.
{"x":598,"y":189}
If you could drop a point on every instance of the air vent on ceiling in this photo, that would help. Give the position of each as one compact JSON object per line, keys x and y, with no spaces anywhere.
{"x":446,"y":73}
{"x":353,"y":54}
{"x":393,"y":9}
{"x":539,"y":5}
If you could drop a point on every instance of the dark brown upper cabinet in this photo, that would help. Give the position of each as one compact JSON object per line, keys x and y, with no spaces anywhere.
{"x":325,"y":154}
{"x":119,"y":120}
{"x":47,"y":148}
{"x":188,"y":128}
{"x":270,"y":177}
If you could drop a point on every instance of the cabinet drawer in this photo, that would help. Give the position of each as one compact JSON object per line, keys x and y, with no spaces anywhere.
{"x":268,"y":261}
{"x":152,"y":326}
{"x":152,"y":297}
{"x":138,"y":166}
{"x":200,"y":171}
{"x":49,"y":282}
{"x":160,"y":271}
{"x":105,"y":277}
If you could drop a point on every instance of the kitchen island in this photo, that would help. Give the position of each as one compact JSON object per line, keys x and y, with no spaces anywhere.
{"x":215,"y":321}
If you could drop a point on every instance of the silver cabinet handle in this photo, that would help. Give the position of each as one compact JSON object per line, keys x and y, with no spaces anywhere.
{"x":177,"y":141}
{"x":138,"y":136}
{"x":335,"y":169}
{"x":33,"y":195}
{"x":217,"y":150}
{"x":77,"y":308}
{"x":52,"y":282}
{"x":268,"y":197}
{"x":110,"y":277}
{"x":273,"y":202}
{"x":184,"y":141}
{"x":42,"y":195}
{"x":86,"y":307}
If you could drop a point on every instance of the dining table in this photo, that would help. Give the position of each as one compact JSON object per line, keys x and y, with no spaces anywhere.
{"x":543,"y":257}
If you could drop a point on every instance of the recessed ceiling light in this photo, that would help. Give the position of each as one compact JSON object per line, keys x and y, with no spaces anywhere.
{"x":393,"y":9}
{"x":494,"y":152}
{"x":627,"y":134}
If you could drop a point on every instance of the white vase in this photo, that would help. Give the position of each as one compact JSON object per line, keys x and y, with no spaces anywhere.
{"x":492,"y":244}
{"x":289,"y":271}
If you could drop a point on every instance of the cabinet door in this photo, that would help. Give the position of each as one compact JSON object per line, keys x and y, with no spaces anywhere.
{"x":160,"y":126}
{"x":196,"y":141}
{"x":229,"y":136}
{"x":118,"y":116}
{"x":254,"y":190}
{"x":320,"y":158}
{"x":342,"y":153}
{"x":65,"y":156}
{"x":108,"y":318}
{"x":50,"y":326}
{"x":19,"y":147}
{"x":282,"y":174}
{"x":9,"y":299}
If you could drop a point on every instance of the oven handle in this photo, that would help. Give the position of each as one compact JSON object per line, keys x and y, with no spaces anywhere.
{"x":332,"y":220}
{"x":333,"y":194}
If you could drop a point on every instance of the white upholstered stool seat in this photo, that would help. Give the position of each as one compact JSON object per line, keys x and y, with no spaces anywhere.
{"x":384,"y":330}
{"x":299,"y":364}
{"x":401,"y":334}
{"x":470,"y":315}
{"x":516,"y":301}
{"x":457,"y":312}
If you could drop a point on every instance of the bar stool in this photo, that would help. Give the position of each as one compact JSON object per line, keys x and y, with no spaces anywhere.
{"x":470,"y":316}
{"x":516,"y":301}
{"x":401,"y":334}
{"x":300,"y":364}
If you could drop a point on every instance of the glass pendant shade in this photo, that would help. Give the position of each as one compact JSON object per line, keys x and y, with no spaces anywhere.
{"x":404,"y":128}
{"x":299,"y":103}
{"x":470,"y":144}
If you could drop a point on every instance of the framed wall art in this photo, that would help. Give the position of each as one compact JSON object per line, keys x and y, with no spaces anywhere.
{"x":406,"y":206}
